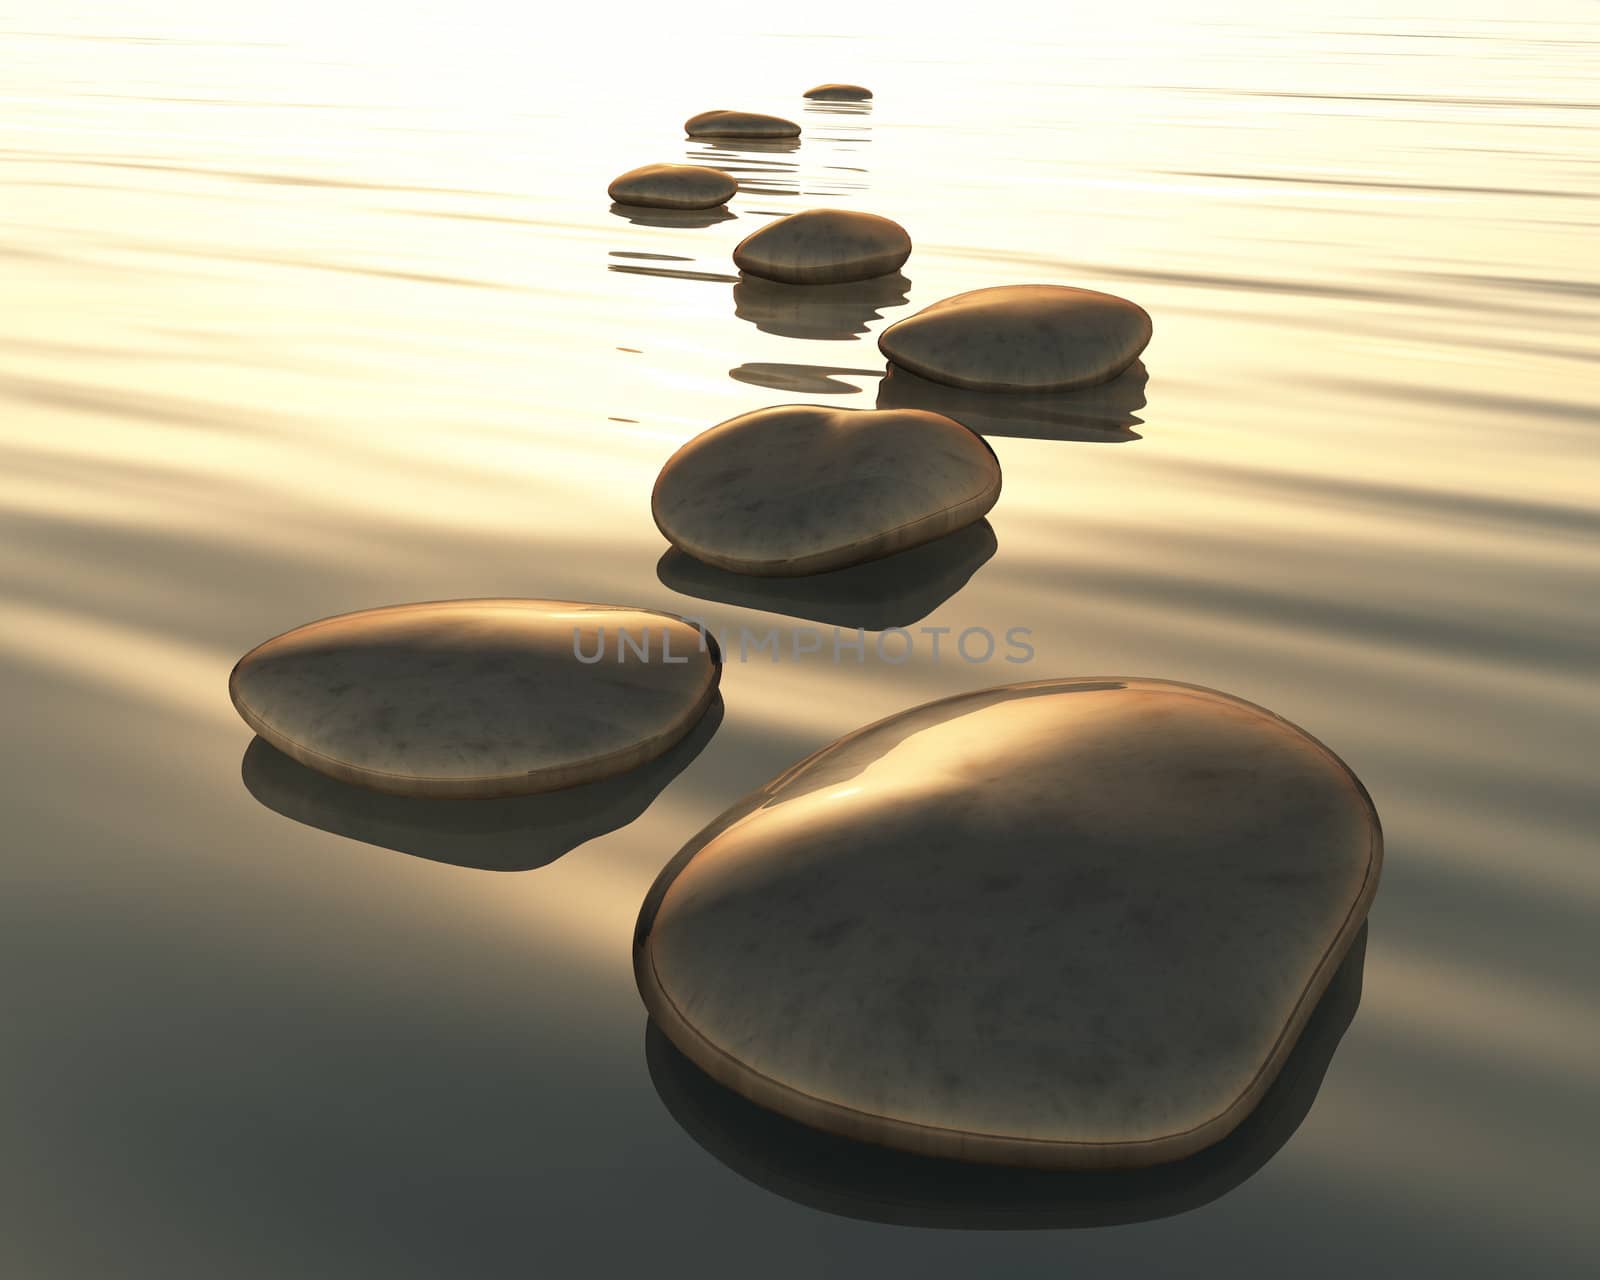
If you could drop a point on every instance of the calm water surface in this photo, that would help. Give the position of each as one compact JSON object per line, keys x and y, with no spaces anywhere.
{"x":327,"y":309}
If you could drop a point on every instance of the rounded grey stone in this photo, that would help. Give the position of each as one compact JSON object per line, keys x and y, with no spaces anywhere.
{"x":1074,"y":923}
{"x":824,"y":246}
{"x":1025,"y":337}
{"x":739,"y":124}
{"x":478,"y":698}
{"x":673,"y":186}
{"x":801,"y":489}
{"x":838,"y":93}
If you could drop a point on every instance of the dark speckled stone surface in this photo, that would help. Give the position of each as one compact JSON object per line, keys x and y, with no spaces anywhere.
{"x":1071,"y":923}
{"x":1023,"y":337}
{"x":832,"y":92}
{"x":800,"y":489}
{"x":739,"y":124}
{"x":673,"y":186}
{"x":477,"y":698}
{"x":824,"y":246}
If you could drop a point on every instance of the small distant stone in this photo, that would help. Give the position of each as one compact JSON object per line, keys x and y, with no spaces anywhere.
{"x":739,"y":124}
{"x":673,"y":186}
{"x":1030,"y":337}
{"x":478,"y":698}
{"x":801,"y":489}
{"x":824,"y":246}
{"x":838,"y":93}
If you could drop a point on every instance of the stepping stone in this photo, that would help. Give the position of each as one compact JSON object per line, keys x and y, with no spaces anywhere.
{"x":801,"y":489}
{"x":824,"y":246}
{"x":1074,"y":923}
{"x":1025,"y":337}
{"x":838,"y":93}
{"x":673,"y":186}
{"x":739,"y":124}
{"x":478,"y":698}
{"x":828,"y":312}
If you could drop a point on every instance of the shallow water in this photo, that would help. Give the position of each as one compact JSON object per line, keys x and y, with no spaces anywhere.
{"x":328,"y":309}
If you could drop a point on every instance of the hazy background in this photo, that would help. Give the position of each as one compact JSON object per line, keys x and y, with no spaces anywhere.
{"x":308,"y":308}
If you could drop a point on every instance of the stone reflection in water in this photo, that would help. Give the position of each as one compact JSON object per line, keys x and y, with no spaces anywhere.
{"x":762,"y":166}
{"x":898,"y":591}
{"x":1103,"y":413}
{"x":878,"y":1184}
{"x":516,"y":833}
{"x":801,"y":379}
{"x":832,"y":312}
{"x":641,"y":216}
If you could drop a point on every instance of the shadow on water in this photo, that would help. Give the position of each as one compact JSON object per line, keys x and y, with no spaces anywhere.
{"x":1105,"y":413}
{"x":803,"y":379}
{"x":896,"y":591}
{"x":835,"y":312}
{"x":877,"y":1184}
{"x":516,"y":833}
{"x":641,"y":216}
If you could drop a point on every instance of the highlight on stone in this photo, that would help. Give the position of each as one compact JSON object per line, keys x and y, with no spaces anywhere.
{"x":673,"y":186}
{"x":739,"y":124}
{"x":824,"y":246}
{"x":1072,"y":923}
{"x":1028,"y":337}
{"x":802,"y":489}
{"x":838,"y":93}
{"x":478,"y":698}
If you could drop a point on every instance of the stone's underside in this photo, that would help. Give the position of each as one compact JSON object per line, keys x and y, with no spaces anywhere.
{"x":1071,"y":923}
{"x":838,"y":93}
{"x":475,"y":698}
{"x":1030,"y":337}
{"x":801,"y":489}
{"x":739,"y":124}
{"x":824,"y":246}
{"x":673,"y":186}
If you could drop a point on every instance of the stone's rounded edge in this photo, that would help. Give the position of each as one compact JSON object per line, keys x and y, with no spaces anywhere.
{"x":574,"y":774}
{"x":832,"y":92}
{"x":745,"y":124}
{"x":981,"y":1148}
{"x":913,"y":534}
{"x":922,"y":369}
{"x":622,"y":193}
{"x":829,"y":272}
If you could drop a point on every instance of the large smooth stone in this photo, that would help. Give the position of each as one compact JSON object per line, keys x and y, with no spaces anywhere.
{"x":801,"y":489}
{"x":1070,"y":923}
{"x":673,"y":186}
{"x":838,"y":93}
{"x":1024,"y":337}
{"x":469,"y":698}
{"x":739,"y":124}
{"x":824,"y":246}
